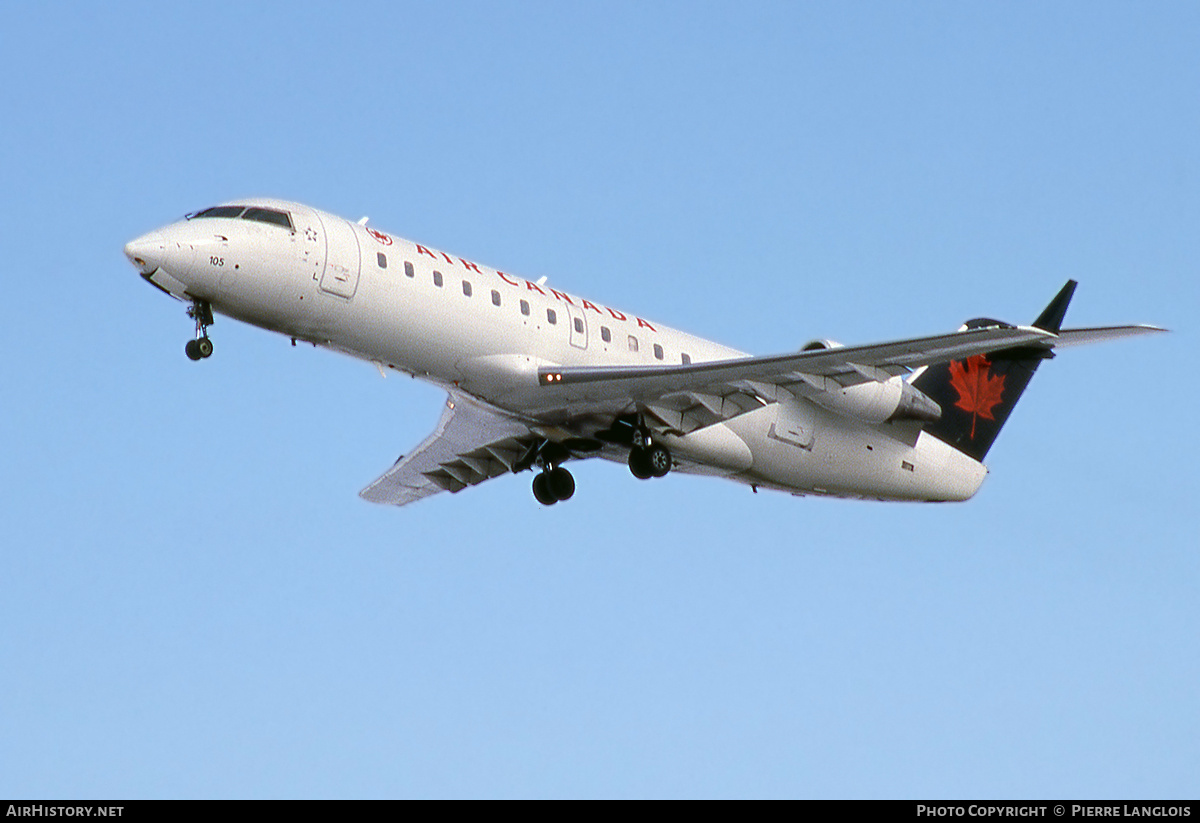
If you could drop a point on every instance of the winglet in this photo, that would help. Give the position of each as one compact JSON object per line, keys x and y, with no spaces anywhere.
{"x":1051,"y":318}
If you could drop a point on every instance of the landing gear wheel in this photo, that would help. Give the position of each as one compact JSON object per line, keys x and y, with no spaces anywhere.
{"x":201,"y":346}
{"x":553,"y":485}
{"x":639,"y":465}
{"x":560,"y":483}
{"x":541,"y":490}
{"x":658,"y":460}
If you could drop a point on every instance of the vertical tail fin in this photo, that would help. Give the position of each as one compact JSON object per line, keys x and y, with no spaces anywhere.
{"x":978,"y":394}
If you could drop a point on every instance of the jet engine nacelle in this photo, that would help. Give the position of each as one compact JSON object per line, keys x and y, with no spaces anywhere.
{"x":875,"y":402}
{"x":822,"y":343}
{"x":872,"y":402}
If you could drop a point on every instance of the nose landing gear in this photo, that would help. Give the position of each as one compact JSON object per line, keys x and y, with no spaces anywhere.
{"x":201,"y":347}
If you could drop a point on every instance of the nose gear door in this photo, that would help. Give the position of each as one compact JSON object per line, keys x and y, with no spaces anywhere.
{"x":342,"y":258}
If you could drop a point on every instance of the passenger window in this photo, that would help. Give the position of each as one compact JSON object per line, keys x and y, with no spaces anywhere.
{"x":687,"y":359}
{"x":381,"y":258}
{"x":658,"y":351}
{"x":408,"y":269}
{"x":579,"y":325}
{"x":467,"y":288}
{"x":437,"y":279}
{"x":633,"y":346}
{"x":551,"y":316}
{"x":495,"y":298}
{"x":525,"y":307}
{"x":605,"y":334}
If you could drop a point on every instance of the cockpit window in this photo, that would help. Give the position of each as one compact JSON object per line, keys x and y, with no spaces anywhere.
{"x":275,"y":218}
{"x":272,"y":216}
{"x":221,"y":211}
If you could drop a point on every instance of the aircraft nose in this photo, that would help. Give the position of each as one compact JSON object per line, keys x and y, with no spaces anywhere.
{"x":147,"y":252}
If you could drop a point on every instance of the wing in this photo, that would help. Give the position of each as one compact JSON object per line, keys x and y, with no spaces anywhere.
{"x":692,"y":396}
{"x":470,"y":444}
{"x":846,"y":365}
{"x":1078,"y":337}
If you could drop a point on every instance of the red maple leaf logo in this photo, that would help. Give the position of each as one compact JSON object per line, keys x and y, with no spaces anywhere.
{"x":378,"y":235}
{"x":978,"y":391}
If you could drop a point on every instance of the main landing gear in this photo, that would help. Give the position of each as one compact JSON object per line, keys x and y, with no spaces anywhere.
{"x":648,"y":459}
{"x":552,"y":484}
{"x":201,"y":347}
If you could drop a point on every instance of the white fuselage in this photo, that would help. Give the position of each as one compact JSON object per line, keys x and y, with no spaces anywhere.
{"x":474,"y":329}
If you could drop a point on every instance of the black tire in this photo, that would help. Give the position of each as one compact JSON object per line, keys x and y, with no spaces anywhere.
{"x":192,"y":350}
{"x":541,"y":490}
{"x":205,"y":347}
{"x":658,"y":461}
{"x":560,"y":483}
{"x":638,"y":464}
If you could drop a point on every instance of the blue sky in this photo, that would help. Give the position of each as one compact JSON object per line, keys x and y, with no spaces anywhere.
{"x":197,"y":604}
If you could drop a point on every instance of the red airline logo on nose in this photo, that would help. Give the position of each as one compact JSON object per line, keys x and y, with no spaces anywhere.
{"x":378,"y":235}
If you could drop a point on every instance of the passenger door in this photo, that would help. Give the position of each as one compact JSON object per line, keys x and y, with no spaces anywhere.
{"x":578,"y":324}
{"x":342,"y":258}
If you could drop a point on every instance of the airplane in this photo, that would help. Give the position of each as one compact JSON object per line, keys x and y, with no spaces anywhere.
{"x":537,"y":377}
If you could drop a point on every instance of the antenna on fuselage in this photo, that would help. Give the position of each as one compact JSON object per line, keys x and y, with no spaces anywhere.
{"x":541,"y":281}
{"x":362,"y":221}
